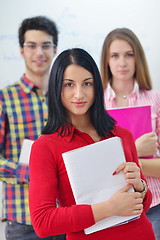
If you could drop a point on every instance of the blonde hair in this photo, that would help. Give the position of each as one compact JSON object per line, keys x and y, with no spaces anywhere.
{"x":142,"y":72}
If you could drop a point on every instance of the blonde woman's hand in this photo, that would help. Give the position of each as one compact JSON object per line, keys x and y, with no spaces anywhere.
{"x":147,"y":144}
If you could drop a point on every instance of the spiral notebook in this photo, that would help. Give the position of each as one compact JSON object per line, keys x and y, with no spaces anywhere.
{"x":90,"y":171}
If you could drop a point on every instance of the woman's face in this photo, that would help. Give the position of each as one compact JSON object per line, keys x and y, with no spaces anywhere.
{"x":121,"y":60}
{"x":77,"y":94}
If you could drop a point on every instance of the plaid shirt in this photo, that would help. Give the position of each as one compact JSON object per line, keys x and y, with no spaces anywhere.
{"x":23,"y":112}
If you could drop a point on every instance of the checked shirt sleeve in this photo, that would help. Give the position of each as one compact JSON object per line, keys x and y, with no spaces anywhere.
{"x":10,"y":171}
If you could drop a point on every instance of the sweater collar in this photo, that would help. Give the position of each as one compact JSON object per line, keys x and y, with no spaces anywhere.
{"x":74,"y":130}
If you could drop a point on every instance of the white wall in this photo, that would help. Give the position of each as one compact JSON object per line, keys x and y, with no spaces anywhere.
{"x":82,"y":23}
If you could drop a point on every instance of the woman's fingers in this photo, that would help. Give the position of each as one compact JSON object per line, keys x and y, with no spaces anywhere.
{"x":127,"y":167}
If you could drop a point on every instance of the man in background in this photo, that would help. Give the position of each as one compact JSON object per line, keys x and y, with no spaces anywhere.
{"x":23,"y":113}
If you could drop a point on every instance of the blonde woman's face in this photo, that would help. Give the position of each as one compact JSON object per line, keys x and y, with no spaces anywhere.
{"x":121,"y":60}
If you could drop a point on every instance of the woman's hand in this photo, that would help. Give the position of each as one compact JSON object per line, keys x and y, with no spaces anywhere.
{"x":124,"y":203}
{"x":132,"y":175}
{"x":147,"y":144}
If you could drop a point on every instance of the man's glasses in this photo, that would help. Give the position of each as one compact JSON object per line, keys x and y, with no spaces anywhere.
{"x":46,"y":47}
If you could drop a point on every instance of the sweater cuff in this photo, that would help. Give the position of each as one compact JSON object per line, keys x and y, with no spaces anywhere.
{"x":81,"y":222}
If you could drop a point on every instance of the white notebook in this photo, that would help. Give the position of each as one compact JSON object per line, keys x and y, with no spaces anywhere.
{"x":25,"y":151}
{"x":90,"y":171}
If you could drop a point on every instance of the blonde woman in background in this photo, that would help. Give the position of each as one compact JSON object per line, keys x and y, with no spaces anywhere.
{"x":127,"y":83}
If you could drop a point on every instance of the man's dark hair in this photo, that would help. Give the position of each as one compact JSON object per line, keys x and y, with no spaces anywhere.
{"x":40,"y":23}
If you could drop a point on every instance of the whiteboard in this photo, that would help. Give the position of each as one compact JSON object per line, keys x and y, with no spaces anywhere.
{"x":81,"y":23}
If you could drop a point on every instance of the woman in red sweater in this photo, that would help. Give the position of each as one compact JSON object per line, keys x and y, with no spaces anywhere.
{"x":77,"y":118}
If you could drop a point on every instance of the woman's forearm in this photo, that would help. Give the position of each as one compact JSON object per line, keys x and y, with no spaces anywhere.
{"x":150,"y":167}
{"x":101,"y":211}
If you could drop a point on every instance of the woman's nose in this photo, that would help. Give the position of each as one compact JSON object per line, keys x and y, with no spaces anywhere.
{"x":78,"y":92}
{"x":122,"y":61}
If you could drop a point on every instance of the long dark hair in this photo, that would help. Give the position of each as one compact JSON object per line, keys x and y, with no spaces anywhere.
{"x":57,"y":116}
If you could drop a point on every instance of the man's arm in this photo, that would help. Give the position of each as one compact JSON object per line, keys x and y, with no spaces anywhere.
{"x":10,"y":171}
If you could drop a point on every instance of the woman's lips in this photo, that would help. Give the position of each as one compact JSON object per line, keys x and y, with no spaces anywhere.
{"x":79,"y":104}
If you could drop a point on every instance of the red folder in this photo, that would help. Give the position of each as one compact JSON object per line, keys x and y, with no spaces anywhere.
{"x":135,"y":119}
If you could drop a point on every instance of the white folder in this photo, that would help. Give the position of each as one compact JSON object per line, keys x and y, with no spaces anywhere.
{"x":90,"y":171}
{"x":25,"y":151}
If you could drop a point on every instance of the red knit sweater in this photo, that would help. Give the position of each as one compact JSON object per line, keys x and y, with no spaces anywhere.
{"x":49,"y":181}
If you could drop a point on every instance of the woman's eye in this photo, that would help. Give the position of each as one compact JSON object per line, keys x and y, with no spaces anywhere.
{"x":129,"y":54}
{"x":68,"y":84}
{"x":88,"y":84}
{"x":114,"y":56}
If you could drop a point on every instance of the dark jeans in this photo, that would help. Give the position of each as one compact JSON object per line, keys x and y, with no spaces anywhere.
{"x":17,"y":231}
{"x":154,"y":217}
